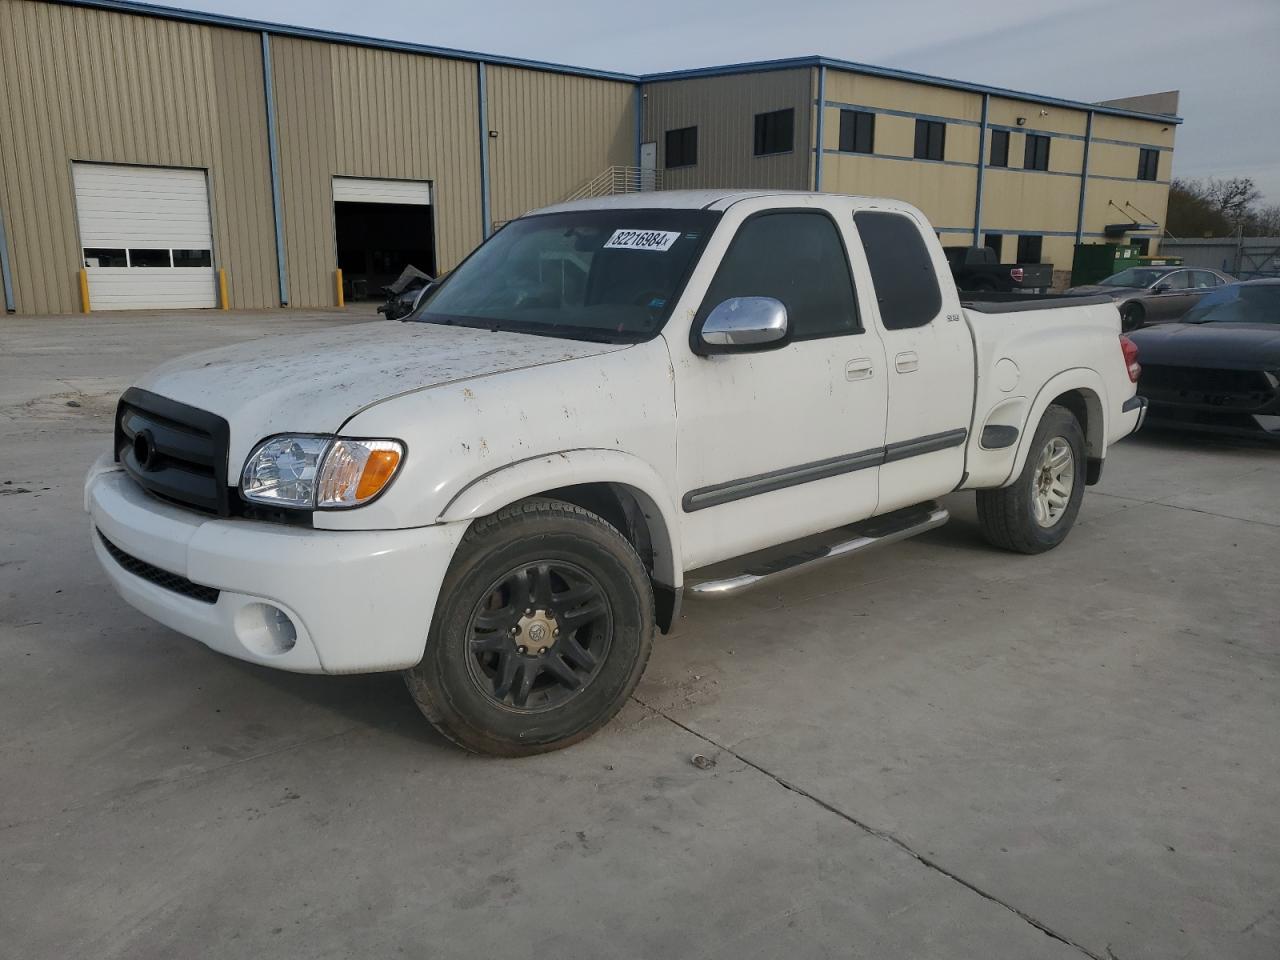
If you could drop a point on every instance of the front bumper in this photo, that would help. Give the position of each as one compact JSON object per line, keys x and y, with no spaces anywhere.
{"x":355,"y":601}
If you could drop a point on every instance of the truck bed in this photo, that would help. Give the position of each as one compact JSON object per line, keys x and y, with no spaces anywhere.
{"x":1019,"y":302}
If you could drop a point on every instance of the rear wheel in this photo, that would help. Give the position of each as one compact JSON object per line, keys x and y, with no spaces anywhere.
{"x":543,"y":628}
{"x":1036,"y":512}
{"x":1132,"y":317}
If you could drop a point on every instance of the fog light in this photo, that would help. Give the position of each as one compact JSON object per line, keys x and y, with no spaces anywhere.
{"x":265,"y":629}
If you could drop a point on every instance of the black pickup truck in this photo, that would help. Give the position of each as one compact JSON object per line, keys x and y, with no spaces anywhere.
{"x":978,"y":269}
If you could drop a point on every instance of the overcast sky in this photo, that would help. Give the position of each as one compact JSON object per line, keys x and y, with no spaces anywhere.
{"x":1224,"y":55}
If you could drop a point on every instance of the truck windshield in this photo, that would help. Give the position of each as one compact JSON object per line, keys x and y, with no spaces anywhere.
{"x":609,"y":275}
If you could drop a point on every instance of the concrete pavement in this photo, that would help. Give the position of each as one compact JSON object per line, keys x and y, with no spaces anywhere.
{"x":936,"y":751}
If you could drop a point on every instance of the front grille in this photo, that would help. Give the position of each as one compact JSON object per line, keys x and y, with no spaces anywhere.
{"x":1208,"y":387}
{"x":185,"y":450}
{"x":161,"y":578}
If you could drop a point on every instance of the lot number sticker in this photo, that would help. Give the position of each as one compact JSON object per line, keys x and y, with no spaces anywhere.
{"x":642,"y":240}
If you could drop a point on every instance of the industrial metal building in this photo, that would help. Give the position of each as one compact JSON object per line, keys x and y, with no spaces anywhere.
{"x":152,"y":157}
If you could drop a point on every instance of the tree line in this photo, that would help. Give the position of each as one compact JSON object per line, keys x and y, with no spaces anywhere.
{"x":1220,"y":208}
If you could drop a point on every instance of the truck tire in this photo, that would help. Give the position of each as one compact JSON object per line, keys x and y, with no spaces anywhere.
{"x":543,"y":627}
{"x":1036,"y":512}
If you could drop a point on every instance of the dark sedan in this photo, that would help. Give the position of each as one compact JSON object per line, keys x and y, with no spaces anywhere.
{"x":1155,"y":294}
{"x":1218,"y":369}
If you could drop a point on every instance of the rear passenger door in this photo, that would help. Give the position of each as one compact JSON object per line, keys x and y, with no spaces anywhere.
{"x":1202,"y":282}
{"x":928,"y":355}
{"x":1171,"y":297}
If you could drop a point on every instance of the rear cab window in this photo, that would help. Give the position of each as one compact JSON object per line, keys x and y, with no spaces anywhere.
{"x":901,"y":269}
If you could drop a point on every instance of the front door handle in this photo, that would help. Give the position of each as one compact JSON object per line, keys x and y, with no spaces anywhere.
{"x":906,"y":362}
{"x":859,"y":369}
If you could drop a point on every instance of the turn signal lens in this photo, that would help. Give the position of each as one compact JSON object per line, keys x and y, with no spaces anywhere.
{"x":356,"y":471}
{"x":378,"y":469}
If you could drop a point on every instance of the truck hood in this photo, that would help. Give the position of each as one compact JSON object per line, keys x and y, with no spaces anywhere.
{"x":1238,"y":346}
{"x":314,"y":383}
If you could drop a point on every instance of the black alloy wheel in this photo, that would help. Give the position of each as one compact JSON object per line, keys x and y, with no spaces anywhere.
{"x":539,"y":635}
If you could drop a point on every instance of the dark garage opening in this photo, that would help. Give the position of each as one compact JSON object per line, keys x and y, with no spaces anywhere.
{"x":378,"y":240}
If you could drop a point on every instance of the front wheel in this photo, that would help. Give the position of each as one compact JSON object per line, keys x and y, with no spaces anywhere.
{"x":543,"y":627}
{"x":1036,"y":512}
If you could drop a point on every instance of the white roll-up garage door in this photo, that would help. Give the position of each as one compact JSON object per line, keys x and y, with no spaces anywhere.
{"x":147,"y":236}
{"x":361,"y":190}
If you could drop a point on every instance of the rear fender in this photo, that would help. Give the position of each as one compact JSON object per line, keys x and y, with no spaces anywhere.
{"x":1089,"y":384}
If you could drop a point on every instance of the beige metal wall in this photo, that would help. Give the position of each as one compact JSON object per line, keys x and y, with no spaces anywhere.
{"x":1015,"y":201}
{"x":723,"y":109}
{"x":554,"y":133}
{"x":360,"y":112}
{"x":86,"y":85}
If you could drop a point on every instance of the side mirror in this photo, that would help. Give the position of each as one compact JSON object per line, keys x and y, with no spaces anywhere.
{"x":1160,"y":288}
{"x":743,"y":323}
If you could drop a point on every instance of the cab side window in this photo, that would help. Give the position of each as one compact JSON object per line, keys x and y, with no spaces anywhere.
{"x":797,"y":258}
{"x":901,"y":268}
{"x":1180,"y":280}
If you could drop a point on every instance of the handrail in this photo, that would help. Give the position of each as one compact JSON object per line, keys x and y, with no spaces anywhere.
{"x":617,"y":179}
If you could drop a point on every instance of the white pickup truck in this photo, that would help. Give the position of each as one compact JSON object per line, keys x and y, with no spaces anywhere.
{"x":505,"y":494}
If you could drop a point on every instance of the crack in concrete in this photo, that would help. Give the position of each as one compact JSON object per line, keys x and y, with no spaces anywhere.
{"x":882,"y":835}
{"x":1163,"y":502}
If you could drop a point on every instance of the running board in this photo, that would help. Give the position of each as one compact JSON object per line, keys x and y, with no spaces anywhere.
{"x":874,"y":533}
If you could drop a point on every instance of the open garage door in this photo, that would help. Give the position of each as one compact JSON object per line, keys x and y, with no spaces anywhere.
{"x":382,"y":226}
{"x":147,"y":236}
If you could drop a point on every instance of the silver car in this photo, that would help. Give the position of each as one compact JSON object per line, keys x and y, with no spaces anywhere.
{"x":1155,"y":294}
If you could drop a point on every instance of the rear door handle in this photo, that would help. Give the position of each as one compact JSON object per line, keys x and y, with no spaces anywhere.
{"x":859,"y":369}
{"x":906,"y":362}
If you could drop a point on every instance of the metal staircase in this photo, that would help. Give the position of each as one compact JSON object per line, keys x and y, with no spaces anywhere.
{"x":609,"y":181}
{"x":613,"y":180}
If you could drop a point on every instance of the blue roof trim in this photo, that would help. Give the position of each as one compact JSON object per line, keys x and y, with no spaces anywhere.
{"x":760,"y":66}
{"x":329,"y":36}
{"x":909,"y":76}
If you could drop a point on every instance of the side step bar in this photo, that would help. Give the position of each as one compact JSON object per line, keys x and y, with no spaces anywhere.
{"x":874,"y":533}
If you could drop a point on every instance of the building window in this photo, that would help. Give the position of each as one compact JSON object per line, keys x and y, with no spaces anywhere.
{"x":857,"y":131}
{"x":149,"y":258}
{"x":681,"y":147}
{"x":1148,"y":164}
{"x":999,"y":149}
{"x":931,"y":139}
{"x":775,"y":132}
{"x":192,"y":258}
{"x":1143,"y":244}
{"x":1036,"y":156}
{"x":105,"y":257}
{"x":995,"y":243}
{"x":1029,"y":248}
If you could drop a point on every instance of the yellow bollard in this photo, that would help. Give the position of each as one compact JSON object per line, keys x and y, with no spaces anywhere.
{"x":222,"y":289}
{"x":84,"y":290}
{"x":338,"y":280}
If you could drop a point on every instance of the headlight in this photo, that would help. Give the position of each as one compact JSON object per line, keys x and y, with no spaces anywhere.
{"x":317,"y":471}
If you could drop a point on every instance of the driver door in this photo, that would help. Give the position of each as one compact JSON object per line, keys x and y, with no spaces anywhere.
{"x":777,"y":442}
